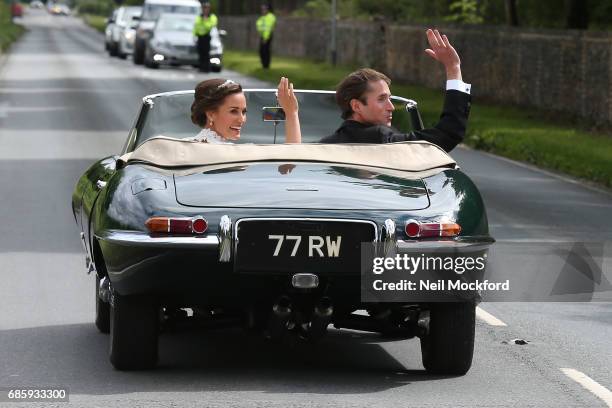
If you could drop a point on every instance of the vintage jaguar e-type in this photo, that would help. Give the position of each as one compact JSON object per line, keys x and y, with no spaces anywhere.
{"x":272,"y":236}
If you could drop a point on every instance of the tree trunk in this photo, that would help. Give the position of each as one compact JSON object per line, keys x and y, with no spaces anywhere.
{"x":511,"y":13}
{"x":577,"y":14}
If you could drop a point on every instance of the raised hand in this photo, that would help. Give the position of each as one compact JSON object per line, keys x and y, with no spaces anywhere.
{"x":442,"y":51}
{"x":286,"y":97}
{"x":289,"y":103}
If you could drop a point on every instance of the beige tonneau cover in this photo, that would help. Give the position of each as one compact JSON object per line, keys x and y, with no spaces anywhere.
{"x":177,"y":153}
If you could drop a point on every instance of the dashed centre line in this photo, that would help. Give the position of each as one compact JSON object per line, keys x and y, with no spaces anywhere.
{"x":488,"y":317}
{"x":593,"y":386}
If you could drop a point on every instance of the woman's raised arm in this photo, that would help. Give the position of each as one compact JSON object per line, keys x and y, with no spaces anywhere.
{"x":289,"y":103}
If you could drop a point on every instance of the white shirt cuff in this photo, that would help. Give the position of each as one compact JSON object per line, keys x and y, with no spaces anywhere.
{"x":458,"y":85}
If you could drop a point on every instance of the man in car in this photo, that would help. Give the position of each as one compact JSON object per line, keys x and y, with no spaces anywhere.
{"x":204,"y":23}
{"x":364,"y":98}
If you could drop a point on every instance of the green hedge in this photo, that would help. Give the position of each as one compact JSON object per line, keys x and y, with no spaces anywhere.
{"x":95,"y":21}
{"x":9,"y":32}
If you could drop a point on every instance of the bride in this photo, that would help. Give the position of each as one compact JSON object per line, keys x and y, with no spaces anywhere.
{"x":219,"y":108}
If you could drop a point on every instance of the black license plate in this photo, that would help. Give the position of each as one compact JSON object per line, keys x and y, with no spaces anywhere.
{"x":293,"y":246}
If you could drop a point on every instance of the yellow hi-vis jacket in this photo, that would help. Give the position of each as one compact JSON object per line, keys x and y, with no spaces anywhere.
{"x":265,"y":25}
{"x":203,"y":25}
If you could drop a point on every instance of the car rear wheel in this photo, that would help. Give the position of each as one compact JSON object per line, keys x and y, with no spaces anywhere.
{"x":134,"y":329}
{"x":448,"y":345}
{"x":102,"y":311}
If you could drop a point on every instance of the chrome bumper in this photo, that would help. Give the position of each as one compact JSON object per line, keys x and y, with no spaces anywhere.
{"x":142,"y":239}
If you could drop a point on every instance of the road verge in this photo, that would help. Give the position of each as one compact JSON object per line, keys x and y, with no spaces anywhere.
{"x":9,"y":31}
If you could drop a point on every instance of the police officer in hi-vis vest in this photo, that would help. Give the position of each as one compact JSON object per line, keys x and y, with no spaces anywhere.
{"x":265,"y":27}
{"x":201,"y":30}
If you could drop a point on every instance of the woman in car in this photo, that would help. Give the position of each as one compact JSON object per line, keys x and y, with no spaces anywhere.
{"x":219,"y":108}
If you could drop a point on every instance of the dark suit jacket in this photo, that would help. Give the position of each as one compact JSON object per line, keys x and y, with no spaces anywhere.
{"x":447,"y":133}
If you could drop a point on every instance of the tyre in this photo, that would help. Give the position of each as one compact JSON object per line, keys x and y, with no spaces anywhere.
{"x":134,"y":330}
{"x":112,"y":49}
{"x":102,"y":311}
{"x":448,"y":346}
{"x":148,"y":59}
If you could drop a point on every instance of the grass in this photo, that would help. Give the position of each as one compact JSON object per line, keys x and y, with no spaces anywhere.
{"x":95,"y":21}
{"x":522,"y":134}
{"x":9,"y":32}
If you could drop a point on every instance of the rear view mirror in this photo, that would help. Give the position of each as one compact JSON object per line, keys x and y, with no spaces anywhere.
{"x":222,"y":33}
{"x":415,"y":116}
{"x":273,"y":114}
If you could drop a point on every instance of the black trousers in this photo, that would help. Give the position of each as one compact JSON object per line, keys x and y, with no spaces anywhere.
{"x":265,"y":52}
{"x":204,"y":52}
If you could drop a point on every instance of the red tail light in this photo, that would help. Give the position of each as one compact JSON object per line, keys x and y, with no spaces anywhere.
{"x":195,"y":225}
{"x":415,"y":229}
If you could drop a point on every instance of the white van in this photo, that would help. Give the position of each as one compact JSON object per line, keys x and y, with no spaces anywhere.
{"x":151,"y":9}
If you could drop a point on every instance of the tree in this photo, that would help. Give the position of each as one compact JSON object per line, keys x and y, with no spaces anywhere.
{"x":577,"y":14}
{"x":511,"y":13}
{"x":464,"y":11}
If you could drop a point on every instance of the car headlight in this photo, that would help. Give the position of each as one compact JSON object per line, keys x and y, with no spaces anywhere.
{"x":129,"y":35}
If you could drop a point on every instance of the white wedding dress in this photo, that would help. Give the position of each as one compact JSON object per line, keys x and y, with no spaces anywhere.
{"x":209,"y":136}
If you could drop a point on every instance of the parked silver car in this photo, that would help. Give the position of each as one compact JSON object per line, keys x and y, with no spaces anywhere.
{"x":121,"y":20}
{"x":127,"y":34}
{"x":151,"y":10}
{"x":172,"y":43}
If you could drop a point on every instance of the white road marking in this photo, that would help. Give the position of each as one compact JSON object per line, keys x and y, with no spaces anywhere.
{"x":488,"y":317}
{"x":4,"y":107}
{"x":587,"y":382}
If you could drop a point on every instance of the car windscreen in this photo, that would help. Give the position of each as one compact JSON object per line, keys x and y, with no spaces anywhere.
{"x":152,"y":11}
{"x":130,"y":14}
{"x":175,"y":24}
{"x":170,"y":115}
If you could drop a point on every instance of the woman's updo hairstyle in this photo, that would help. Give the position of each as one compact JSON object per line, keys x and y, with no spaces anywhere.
{"x":209,"y":95}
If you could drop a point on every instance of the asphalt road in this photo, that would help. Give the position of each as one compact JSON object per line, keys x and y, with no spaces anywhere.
{"x":64,"y":103}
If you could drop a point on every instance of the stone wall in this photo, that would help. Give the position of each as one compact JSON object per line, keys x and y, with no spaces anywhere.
{"x":568,"y":71}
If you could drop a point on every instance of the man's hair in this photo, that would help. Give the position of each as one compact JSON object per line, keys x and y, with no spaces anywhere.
{"x":354,"y":86}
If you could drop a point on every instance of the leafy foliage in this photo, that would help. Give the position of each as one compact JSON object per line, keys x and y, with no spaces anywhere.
{"x":464,"y":11}
{"x":95,"y":7}
{"x":597,"y":14}
{"x":9,"y":32}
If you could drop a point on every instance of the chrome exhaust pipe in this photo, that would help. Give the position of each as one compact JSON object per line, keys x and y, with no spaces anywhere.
{"x":321,"y":318}
{"x":279,"y":319}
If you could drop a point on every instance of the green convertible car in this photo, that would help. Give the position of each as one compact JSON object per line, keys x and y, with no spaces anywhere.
{"x":276,"y":237}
